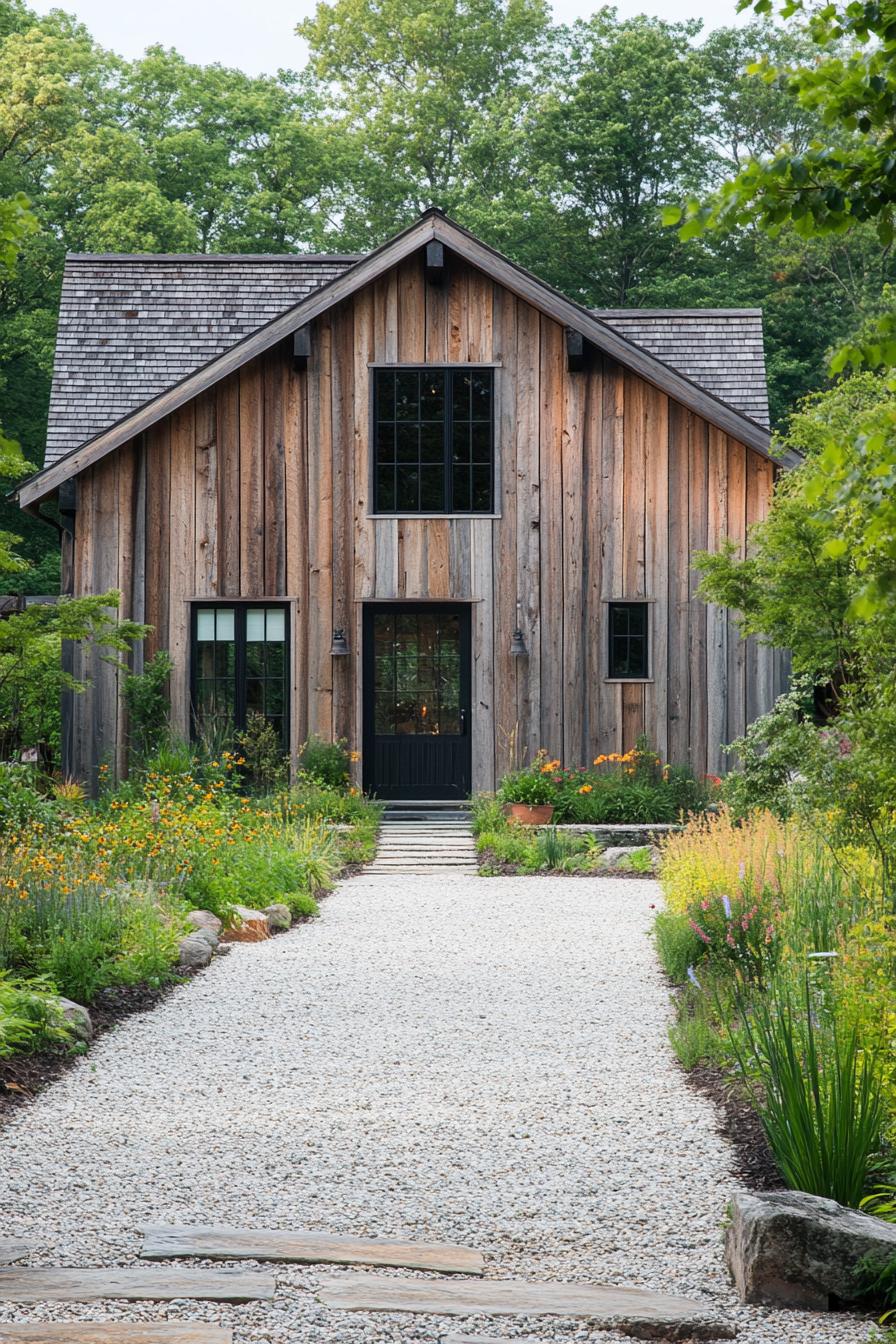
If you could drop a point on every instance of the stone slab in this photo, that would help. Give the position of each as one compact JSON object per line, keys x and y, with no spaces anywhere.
{"x":134,"y":1285}
{"x":114,"y":1332}
{"x":632,"y":1311}
{"x":11,"y":1249}
{"x":311,"y":1248}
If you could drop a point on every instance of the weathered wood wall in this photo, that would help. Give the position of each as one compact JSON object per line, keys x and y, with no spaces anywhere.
{"x":605,"y":488}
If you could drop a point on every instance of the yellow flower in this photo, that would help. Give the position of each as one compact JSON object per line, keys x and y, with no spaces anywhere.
{"x":586,"y":788}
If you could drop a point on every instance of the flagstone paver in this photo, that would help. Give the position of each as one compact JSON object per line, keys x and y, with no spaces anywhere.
{"x":314,"y":1248}
{"x":479,"y":1061}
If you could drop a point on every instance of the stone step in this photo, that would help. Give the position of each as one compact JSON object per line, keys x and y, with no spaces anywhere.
{"x":11,"y":1249}
{"x":114,"y":1332}
{"x":312,"y":1248}
{"x":135,"y":1285}
{"x":632,"y":1311}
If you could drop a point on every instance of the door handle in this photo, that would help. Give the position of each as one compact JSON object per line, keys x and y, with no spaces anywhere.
{"x":463,"y":723}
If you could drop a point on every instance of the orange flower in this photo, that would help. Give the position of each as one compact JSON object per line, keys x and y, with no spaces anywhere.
{"x":586,"y":788}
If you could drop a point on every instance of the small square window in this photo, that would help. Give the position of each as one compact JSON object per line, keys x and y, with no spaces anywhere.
{"x":628,"y":641}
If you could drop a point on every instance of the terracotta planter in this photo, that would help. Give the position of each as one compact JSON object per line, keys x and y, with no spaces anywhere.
{"x":529,"y":814}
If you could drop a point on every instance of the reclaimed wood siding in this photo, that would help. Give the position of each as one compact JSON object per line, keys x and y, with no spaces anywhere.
{"x":604,"y":490}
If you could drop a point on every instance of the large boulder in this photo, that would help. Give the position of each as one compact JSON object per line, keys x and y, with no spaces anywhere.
{"x":787,"y":1249}
{"x":208,"y":935}
{"x":77,"y":1020}
{"x":195,"y":951}
{"x":247,"y":926}
{"x":204,"y":919}
{"x":278,"y":917}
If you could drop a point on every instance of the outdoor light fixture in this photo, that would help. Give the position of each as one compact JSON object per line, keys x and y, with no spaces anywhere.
{"x":517,"y":642}
{"x":339,"y":647}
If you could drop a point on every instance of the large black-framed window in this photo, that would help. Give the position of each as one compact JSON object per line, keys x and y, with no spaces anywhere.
{"x":239,"y":666}
{"x":433,"y":440}
{"x":629,"y":652}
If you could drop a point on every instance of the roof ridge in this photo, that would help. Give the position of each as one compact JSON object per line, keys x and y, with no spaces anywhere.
{"x":269,"y":257}
{"x":677,"y":312}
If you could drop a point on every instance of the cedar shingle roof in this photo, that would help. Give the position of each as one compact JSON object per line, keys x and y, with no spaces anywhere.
{"x":130,"y":327}
{"x":719,"y":348}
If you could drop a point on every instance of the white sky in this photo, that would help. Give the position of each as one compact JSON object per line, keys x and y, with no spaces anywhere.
{"x":260,"y":38}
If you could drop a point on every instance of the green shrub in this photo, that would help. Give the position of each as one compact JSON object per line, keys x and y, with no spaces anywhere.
{"x":817,"y":1091}
{"x":149,"y":709}
{"x":487,"y":813}
{"x":326,"y":762}
{"x":264,"y":763}
{"x":30,"y":1016}
{"x":677,"y":945}
{"x":21,"y":803}
{"x":693,"y":1035}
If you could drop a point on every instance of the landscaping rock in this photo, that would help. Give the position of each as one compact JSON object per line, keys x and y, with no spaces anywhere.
{"x":787,"y":1249}
{"x":614,"y":853}
{"x":78,"y":1020}
{"x":195,"y":951}
{"x":204,"y":919}
{"x":209,"y":935}
{"x":278,"y":917}
{"x":248,"y":926}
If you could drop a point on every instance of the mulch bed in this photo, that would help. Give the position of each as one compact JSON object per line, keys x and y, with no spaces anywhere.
{"x":737,"y":1122}
{"x":24,"y":1076}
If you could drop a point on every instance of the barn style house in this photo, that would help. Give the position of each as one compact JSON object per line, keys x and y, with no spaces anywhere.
{"x":416,"y":499}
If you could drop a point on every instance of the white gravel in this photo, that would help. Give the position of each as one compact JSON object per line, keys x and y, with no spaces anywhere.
{"x":464,"y":1059}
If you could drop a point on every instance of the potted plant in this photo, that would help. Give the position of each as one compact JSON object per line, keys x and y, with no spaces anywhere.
{"x":528,"y":794}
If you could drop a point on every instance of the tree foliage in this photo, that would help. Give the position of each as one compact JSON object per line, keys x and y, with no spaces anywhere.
{"x":560,"y":145}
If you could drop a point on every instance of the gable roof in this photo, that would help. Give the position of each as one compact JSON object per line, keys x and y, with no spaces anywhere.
{"x":316,"y":290}
{"x":130,"y":327}
{"x":721,"y":349}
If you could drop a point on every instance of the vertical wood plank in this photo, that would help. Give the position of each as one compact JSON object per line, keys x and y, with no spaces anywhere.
{"x":127,"y":483}
{"x":522,"y":467}
{"x":573,"y":468}
{"x":205,"y":578}
{"x":228,"y":427}
{"x":716,"y":616}
{"x":104,"y":690}
{"x":364,"y":578}
{"x":320,"y":491}
{"x":252,"y":523}
{"x":698,"y":456}
{"x":761,"y":678}
{"x":633,"y":545}
{"x":737,"y":648}
{"x":158,"y":518}
{"x":679,"y":710}
{"x":483,"y":623}
{"x":295,"y":384}
{"x":181,"y":561}
{"x":609,"y":728}
{"x":656,"y":692}
{"x":508,"y":670}
{"x":592,"y":491}
{"x":342,"y":431}
{"x":274,"y":472}
{"x":552,"y":558}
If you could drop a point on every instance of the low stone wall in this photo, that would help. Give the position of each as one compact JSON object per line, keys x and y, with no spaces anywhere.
{"x":645,"y":834}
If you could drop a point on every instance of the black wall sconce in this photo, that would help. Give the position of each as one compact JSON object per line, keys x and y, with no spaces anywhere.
{"x":517,"y":641}
{"x":339,"y":647}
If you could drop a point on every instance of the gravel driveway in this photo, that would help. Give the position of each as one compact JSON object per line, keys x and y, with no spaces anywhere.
{"x":463,"y":1059}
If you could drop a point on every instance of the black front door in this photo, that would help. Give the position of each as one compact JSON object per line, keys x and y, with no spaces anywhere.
{"x":417,"y":700}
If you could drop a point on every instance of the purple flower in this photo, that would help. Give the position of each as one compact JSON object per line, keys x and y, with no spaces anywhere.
{"x":692,"y":976}
{"x":726,"y":906}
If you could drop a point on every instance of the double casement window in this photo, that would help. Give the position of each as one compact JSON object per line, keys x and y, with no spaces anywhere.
{"x":240,"y":667}
{"x":433,"y":440}
{"x":628,"y":652}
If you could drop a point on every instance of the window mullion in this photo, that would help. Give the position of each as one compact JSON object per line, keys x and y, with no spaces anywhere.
{"x":449,"y":439}
{"x":239,"y":668}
